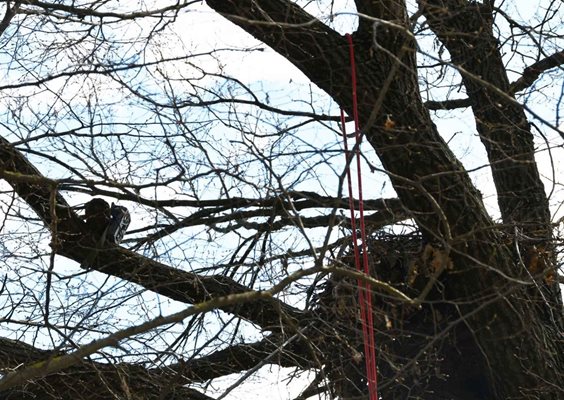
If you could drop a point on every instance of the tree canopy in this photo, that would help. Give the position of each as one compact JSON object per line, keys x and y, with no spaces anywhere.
{"x":217,"y":125}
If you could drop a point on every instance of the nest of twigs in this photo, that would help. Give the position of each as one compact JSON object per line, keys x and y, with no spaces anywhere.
{"x":394,"y":260}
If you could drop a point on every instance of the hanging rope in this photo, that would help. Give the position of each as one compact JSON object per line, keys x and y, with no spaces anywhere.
{"x":364,"y":293}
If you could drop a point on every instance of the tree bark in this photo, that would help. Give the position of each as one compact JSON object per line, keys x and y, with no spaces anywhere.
{"x":495,"y":305}
{"x":465,"y":28}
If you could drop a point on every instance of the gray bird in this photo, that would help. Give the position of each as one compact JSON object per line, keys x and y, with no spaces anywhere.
{"x":106,"y":225}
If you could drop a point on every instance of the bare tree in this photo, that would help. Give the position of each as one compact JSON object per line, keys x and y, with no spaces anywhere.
{"x":239,"y":254}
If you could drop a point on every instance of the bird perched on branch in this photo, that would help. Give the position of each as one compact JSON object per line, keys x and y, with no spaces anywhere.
{"x":119,"y":221}
{"x":97,"y":215}
{"x":106,"y":225}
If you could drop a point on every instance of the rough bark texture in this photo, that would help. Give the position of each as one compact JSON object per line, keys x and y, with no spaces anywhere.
{"x":465,"y":28}
{"x":515,"y":333}
{"x":484,"y":330}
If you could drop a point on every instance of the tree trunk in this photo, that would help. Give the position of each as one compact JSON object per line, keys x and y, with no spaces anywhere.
{"x":500,"y":314}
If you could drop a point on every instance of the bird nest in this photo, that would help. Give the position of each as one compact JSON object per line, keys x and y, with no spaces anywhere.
{"x":392,"y":259}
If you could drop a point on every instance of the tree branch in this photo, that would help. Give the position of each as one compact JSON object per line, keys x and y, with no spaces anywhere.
{"x":404,"y":149}
{"x":236,"y":358}
{"x":532,"y":72}
{"x":86,"y":376}
{"x":292,"y":32}
{"x":391,"y":211}
{"x":62,"y":361}
{"x":8,"y":15}
{"x":274,"y":349}
{"x":527,"y":79}
{"x":448,"y":104}
{"x":465,"y":28}
{"x":241,"y":357}
{"x":15,"y":352}
{"x":76,"y":243}
{"x":82,"y":12}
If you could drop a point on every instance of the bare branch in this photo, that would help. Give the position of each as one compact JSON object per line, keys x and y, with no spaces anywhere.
{"x":391,"y":211}
{"x":11,"y":11}
{"x":448,"y":104}
{"x":532,"y":72}
{"x":241,"y":357}
{"x":527,"y":79}
{"x":91,"y":12}
{"x":59,"y":362}
{"x":76,"y":242}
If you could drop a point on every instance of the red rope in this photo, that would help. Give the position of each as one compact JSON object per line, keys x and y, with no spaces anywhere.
{"x":364,"y":293}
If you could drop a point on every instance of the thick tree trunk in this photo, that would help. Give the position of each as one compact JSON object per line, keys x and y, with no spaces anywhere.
{"x":465,"y":28}
{"x":516,"y":334}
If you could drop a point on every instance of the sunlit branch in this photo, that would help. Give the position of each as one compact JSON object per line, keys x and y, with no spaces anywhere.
{"x":58,"y":362}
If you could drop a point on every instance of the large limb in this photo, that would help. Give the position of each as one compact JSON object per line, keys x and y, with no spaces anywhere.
{"x":412,"y":151}
{"x":273,"y":349}
{"x":533,"y":72}
{"x":148,"y":382}
{"x":73,"y":241}
{"x":429,"y":180}
{"x":230,"y":360}
{"x":465,"y":28}
{"x":235,"y":358}
{"x":107,"y":379}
